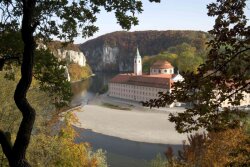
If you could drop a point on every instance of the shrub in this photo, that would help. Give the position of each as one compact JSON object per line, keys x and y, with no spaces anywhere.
{"x":227,"y":148}
{"x":77,"y":72}
{"x":159,"y":161}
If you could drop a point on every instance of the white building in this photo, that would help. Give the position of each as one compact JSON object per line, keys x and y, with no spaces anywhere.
{"x":137,"y":63}
{"x":244,"y":102}
{"x":141,"y":87}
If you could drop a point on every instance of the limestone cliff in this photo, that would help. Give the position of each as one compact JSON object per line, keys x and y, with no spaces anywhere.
{"x":75,"y":57}
{"x":115,"y":51}
{"x":68,"y":52}
{"x":71,"y":56}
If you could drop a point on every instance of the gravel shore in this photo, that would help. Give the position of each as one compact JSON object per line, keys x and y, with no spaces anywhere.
{"x":135,"y":124}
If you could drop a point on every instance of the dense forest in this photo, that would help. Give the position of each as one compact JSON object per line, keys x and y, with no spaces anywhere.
{"x":183,"y":57}
{"x":149,"y":43}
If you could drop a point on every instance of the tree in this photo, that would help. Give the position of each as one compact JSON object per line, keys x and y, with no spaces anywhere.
{"x":41,"y":20}
{"x":225,"y":148}
{"x":184,"y":56}
{"x":51,"y":144}
{"x":224,"y":76}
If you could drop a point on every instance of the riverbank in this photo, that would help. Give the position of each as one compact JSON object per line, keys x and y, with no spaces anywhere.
{"x":136,"y":124}
{"x":82,"y":79}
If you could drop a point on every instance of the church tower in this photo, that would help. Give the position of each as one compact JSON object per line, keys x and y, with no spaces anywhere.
{"x":137,"y":63}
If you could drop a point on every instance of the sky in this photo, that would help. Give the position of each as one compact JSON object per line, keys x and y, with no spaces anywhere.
{"x":167,"y":15}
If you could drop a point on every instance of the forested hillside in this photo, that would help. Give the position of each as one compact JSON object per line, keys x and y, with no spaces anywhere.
{"x":183,"y":57}
{"x":54,"y":45}
{"x":115,"y":51}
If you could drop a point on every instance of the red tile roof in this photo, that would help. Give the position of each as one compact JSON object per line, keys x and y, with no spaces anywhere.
{"x":158,"y":81}
{"x":162,"y":65}
{"x":121,"y":78}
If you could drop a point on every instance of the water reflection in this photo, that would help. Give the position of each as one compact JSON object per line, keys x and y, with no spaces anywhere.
{"x":86,"y":90}
{"x":79,"y":88}
{"x":81,"y":93}
{"x":122,"y":152}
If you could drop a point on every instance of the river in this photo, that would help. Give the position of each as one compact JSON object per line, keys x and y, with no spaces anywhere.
{"x":120,"y":152}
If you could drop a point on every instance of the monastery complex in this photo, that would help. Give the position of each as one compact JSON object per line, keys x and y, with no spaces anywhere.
{"x":143,"y":87}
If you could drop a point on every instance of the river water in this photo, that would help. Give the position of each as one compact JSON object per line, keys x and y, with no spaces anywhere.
{"x":120,"y":152}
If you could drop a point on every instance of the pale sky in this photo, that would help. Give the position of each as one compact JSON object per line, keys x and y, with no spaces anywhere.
{"x":167,"y":15}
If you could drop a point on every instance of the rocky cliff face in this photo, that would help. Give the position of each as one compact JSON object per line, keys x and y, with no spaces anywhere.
{"x":115,"y":51}
{"x":103,"y":58}
{"x":71,"y":56}
{"x":67,"y":52}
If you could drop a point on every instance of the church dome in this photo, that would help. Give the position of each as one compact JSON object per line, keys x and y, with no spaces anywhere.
{"x":161,"y":65}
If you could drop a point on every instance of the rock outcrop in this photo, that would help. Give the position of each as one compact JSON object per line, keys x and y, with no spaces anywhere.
{"x":66,"y":73}
{"x":71,"y":56}
{"x":115,"y":51}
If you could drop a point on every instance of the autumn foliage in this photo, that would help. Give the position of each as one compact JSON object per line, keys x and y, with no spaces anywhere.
{"x":77,"y":72}
{"x":214,"y":149}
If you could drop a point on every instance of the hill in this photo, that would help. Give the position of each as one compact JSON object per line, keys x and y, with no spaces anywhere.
{"x":115,"y":51}
{"x":54,"y":45}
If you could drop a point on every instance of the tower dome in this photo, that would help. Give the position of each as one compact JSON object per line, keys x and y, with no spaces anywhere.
{"x":162,"y":67}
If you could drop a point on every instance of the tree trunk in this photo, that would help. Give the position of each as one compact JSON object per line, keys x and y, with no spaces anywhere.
{"x":16,"y":153}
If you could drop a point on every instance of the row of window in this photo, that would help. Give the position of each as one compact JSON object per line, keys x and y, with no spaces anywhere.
{"x":151,"y":93}
{"x":133,"y":87}
{"x":132,"y":97}
{"x":170,"y":71}
{"x":141,"y":93}
{"x":155,"y":94}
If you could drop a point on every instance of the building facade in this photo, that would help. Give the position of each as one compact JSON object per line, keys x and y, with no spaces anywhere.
{"x":244,"y":102}
{"x":142,"y":87}
{"x":138,"y":88}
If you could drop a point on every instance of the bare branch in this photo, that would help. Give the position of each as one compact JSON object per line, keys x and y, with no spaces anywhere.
{"x":235,"y":92}
{"x":225,"y":63}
